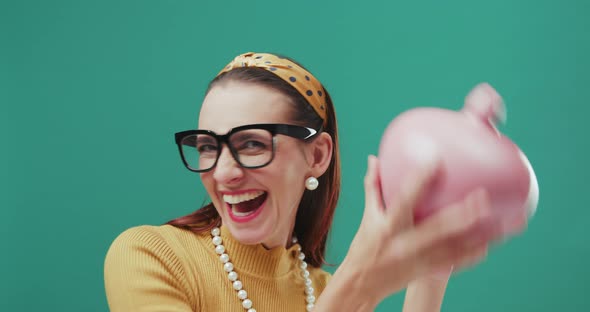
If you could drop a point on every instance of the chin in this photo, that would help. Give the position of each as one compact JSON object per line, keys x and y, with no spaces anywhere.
{"x":249,"y":235}
{"x":251,"y":228}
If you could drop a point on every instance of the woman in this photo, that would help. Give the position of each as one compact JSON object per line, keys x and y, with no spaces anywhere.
{"x":268,"y":157}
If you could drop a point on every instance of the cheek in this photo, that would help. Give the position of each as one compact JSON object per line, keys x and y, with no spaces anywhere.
{"x":206,"y":180}
{"x":209,"y":184}
{"x":291,"y":172}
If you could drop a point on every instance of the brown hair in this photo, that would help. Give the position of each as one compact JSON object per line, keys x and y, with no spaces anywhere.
{"x":316,"y":209}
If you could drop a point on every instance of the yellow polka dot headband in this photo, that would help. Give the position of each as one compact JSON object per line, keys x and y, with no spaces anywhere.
{"x":302,"y":80}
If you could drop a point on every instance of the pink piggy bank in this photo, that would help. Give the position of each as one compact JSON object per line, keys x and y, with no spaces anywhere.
{"x":472,"y":154}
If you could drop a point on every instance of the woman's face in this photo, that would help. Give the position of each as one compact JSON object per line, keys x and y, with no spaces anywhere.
{"x":257,"y":205}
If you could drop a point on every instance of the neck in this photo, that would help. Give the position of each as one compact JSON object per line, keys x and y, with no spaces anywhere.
{"x":280,"y":239}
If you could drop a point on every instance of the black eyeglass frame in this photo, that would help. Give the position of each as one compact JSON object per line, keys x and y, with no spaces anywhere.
{"x":294,"y":131}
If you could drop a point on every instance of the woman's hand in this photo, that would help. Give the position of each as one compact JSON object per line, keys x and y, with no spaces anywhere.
{"x":389,"y":250}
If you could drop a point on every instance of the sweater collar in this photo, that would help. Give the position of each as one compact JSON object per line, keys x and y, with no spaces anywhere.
{"x":257,"y":259}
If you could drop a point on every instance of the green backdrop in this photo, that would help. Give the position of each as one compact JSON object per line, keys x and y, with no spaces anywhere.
{"x":91,"y":93}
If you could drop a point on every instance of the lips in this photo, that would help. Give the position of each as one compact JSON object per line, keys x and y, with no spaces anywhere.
{"x":245,"y":206}
{"x":241,"y":197}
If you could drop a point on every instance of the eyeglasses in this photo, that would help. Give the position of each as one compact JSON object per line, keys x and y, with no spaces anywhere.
{"x":252,"y":146}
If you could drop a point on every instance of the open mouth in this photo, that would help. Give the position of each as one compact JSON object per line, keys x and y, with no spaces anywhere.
{"x":244,"y":207}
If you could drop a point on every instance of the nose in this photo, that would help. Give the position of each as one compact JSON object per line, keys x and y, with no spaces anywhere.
{"x":227,"y":170}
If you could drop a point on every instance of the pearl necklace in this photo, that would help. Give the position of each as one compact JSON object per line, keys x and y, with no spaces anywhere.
{"x":237,"y":284}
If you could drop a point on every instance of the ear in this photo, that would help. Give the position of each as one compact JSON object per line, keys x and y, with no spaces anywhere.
{"x":319,"y":154}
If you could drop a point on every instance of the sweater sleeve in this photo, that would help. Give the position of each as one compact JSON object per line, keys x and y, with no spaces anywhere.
{"x":142,"y":273}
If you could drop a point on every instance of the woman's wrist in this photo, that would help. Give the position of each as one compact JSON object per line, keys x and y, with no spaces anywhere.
{"x":348,"y":290}
{"x":425,"y":294}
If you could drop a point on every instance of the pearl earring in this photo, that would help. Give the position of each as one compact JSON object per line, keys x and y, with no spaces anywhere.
{"x":311,"y":183}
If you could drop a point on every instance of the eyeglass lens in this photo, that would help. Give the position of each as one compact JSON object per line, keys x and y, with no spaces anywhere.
{"x":251,"y":147}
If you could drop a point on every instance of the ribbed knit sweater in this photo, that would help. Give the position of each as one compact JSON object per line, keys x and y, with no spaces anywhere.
{"x":164,"y":268}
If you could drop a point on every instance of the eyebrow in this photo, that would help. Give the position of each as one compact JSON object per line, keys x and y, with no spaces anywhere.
{"x":247,"y":135}
{"x":204,"y":139}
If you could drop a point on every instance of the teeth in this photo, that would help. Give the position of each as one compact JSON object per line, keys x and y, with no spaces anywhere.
{"x":236,"y":199}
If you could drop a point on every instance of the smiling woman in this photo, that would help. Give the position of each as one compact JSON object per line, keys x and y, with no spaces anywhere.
{"x":266,"y":150}
{"x":245,"y":100}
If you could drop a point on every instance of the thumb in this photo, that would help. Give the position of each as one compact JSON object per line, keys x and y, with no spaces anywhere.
{"x":373,"y":197}
{"x":412,"y":190}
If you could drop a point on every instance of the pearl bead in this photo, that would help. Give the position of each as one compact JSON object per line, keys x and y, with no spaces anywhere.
{"x":311,"y":183}
{"x":228,"y":267}
{"x":247,"y":304}
{"x":237,"y":284}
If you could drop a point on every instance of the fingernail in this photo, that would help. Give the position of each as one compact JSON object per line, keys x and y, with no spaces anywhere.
{"x":484,"y":211}
{"x":431,"y":168}
{"x":370,"y":160}
{"x":479,"y":196}
{"x":427,"y":160}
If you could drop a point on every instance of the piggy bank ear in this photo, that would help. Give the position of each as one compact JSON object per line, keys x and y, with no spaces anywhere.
{"x":486,"y":104}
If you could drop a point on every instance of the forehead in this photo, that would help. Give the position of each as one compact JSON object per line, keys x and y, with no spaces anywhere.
{"x":232,"y":104}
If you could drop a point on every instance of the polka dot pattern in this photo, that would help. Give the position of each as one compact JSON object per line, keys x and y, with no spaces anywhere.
{"x":302,"y":80}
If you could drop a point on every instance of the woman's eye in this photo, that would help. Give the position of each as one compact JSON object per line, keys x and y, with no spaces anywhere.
{"x":254,"y":144}
{"x":207,"y":148}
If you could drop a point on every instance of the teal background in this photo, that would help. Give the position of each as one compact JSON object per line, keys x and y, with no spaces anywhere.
{"x":91,"y":93}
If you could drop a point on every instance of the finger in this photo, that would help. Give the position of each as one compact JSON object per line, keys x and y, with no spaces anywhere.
{"x":464,"y":259}
{"x":515,"y":226}
{"x":373,"y":196}
{"x":411,"y":191}
{"x":472,"y":257}
{"x":439,"y":234}
{"x":466,"y":247}
{"x":457,"y":251}
{"x":456,"y":219}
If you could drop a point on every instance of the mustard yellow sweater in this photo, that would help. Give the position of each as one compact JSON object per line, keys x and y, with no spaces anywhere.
{"x":163,"y":268}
